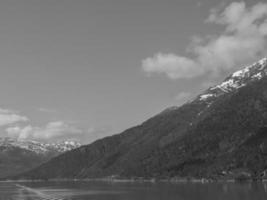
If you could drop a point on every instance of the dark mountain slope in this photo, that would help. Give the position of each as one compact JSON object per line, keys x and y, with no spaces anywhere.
{"x":210,"y":136}
{"x":223,"y":139}
{"x":14,"y":160}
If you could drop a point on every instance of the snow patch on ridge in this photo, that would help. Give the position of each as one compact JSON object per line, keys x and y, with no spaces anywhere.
{"x":237,"y":80}
{"x":39,"y":147}
{"x":205,"y":96}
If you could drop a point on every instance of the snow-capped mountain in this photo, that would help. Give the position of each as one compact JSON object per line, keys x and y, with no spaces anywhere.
{"x":232,"y":83}
{"x":236,"y":80}
{"x":21,"y":155}
{"x":39,"y":147}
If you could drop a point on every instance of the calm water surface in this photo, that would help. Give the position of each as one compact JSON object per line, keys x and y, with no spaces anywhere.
{"x":132,"y":191}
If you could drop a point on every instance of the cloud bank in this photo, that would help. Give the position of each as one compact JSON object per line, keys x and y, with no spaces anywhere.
{"x":8,"y":117}
{"x":242,"y":41}
{"x":52,"y":130}
{"x":19,"y":127}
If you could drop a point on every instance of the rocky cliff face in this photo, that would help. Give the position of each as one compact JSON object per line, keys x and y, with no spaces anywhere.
{"x":221,"y":133}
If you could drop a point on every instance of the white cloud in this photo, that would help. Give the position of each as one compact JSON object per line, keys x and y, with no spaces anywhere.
{"x":57,"y":129}
{"x":173,"y":66}
{"x":242,"y":41}
{"x":8,"y":117}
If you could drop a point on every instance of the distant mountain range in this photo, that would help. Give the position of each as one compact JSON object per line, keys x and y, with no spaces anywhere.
{"x":17,"y":156}
{"x":222,"y":133}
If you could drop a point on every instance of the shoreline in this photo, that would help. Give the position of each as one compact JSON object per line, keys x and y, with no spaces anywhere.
{"x":152,"y":180}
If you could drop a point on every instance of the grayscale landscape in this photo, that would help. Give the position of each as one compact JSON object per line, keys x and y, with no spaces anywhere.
{"x":133,"y":100}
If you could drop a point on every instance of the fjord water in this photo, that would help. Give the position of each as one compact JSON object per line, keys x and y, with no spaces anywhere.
{"x":132,"y":191}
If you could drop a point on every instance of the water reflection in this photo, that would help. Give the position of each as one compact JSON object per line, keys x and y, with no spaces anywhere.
{"x":132,"y":191}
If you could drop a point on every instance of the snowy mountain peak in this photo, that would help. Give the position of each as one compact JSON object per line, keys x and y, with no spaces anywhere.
{"x":237,"y":80}
{"x":253,"y":70}
{"x":39,"y":147}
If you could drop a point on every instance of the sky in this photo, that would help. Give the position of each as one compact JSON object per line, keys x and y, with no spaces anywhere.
{"x":87,"y":69}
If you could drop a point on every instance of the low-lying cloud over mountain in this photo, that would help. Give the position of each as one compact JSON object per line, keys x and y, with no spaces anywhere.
{"x":19,"y":126}
{"x":8,"y":117}
{"x":52,"y":130}
{"x":242,"y":40}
